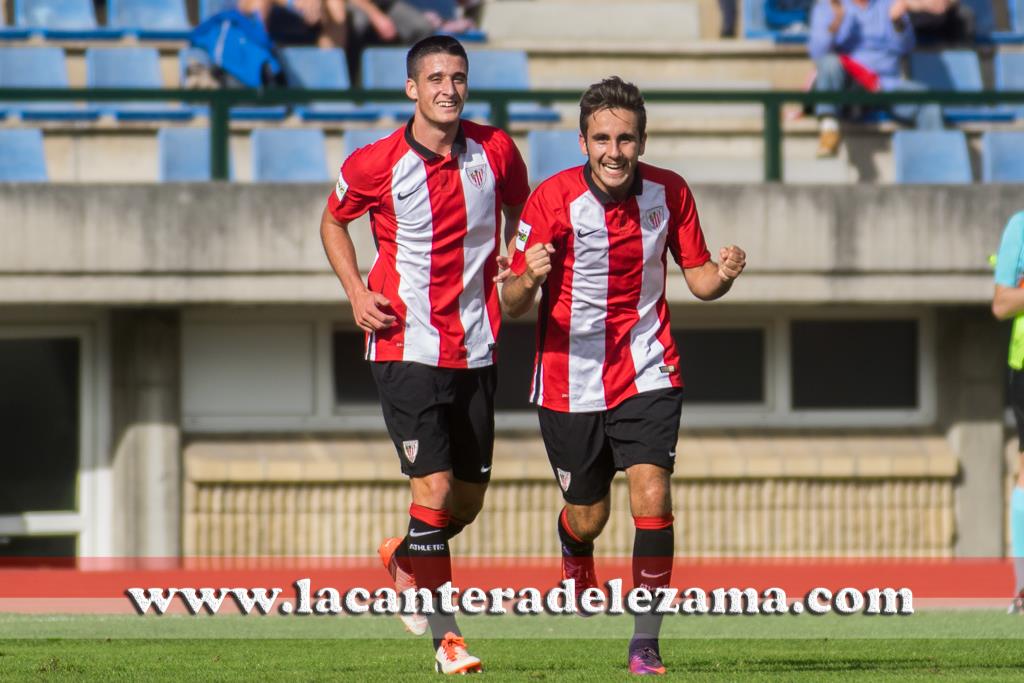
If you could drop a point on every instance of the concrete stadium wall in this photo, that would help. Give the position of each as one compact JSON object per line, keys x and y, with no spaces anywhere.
{"x":249,"y":244}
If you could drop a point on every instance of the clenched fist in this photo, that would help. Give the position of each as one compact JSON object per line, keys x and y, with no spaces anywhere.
{"x":538,"y":263}
{"x":731,"y":262}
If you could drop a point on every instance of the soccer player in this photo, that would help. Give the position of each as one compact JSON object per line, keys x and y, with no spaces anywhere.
{"x":1008,"y":302}
{"x":606,"y":379}
{"x":436,"y":190}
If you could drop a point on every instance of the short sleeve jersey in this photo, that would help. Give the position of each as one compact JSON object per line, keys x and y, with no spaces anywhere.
{"x":603,"y":329}
{"x":1010,"y":259}
{"x":436,"y":221}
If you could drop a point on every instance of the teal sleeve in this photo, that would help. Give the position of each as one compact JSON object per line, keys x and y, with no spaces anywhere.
{"x":1008,"y":266}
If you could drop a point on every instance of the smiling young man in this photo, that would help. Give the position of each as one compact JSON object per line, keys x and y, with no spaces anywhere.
{"x":436,"y":190}
{"x":606,"y":379}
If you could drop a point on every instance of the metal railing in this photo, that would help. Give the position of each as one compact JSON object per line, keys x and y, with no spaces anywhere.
{"x":772,"y":101}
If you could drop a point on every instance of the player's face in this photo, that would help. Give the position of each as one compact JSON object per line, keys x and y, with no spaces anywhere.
{"x":613,"y":146}
{"x":439,"y":88}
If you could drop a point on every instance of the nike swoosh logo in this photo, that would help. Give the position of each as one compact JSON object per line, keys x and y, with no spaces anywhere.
{"x":647,"y":575}
{"x":580,"y":234}
{"x":415,"y":534}
{"x":403,"y":197}
{"x":485,"y":470}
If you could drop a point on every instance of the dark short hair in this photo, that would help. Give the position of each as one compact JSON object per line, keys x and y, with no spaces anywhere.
{"x":612,"y":93}
{"x":433,"y":45}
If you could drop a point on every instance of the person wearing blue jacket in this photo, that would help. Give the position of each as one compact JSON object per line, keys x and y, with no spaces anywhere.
{"x":862,"y":42}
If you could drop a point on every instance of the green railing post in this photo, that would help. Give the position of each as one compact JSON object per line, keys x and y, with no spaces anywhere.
{"x":772,"y":140}
{"x":219,"y":113}
{"x":499,"y":112}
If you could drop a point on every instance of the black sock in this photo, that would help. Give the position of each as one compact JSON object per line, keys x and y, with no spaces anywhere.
{"x":427,"y":547}
{"x":455,"y":527}
{"x":653,"y":550}
{"x":572,"y":545}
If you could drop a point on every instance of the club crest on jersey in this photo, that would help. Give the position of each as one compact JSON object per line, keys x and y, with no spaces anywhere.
{"x":477,"y":175}
{"x":411,"y":448}
{"x":652,"y":218}
{"x":564,"y":478}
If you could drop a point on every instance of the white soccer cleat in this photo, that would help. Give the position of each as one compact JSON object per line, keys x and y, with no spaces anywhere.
{"x":452,"y":657}
{"x":415,"y":624}
{"x":1016,"y":605}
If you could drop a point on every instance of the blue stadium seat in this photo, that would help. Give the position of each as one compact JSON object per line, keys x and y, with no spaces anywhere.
{"x":931,"y":156}
{"x":130,"y":67}
{"x":38,"y":67}
{"x":1009,"y":75}
{"x":1002,"y":157}
{"x":21,"y":155}
{"x":984,"y":18}
{"x":210,"y":7}
{"x":62,"y":19}
{"x":786,"y":22}
{"x":354,"y":139}
{"x":150,"y":19}
{"x":184,"y":155}
{"x":323,"y":69}
{"x":288,"y":155}
{"x":384,"y":68}
{"x":241,"y":113}
{"x":552,"y":151}
{"x":957,"y":70}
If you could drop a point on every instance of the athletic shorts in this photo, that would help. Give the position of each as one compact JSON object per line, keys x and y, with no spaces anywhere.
{"x":587,"y":449}
{"x":1017,"y":401}
{"x":439,"y":418}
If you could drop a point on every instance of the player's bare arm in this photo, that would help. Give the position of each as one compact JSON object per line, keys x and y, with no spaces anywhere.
{"x":519,"y":292}
{"x":712,"y":280}
{"x":1007,"y":302}
{"x":366,"y":305}
{"x":512,"y":214}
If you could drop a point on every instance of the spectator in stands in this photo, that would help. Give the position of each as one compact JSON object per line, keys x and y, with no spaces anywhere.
{"x":376,"y":22}
{"x":727,"y":8}
{"x":302,"y":22}
{"x":941,"y":22}
{"x":859,"y":43}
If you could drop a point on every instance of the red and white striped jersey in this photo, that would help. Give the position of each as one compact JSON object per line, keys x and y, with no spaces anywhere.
{"x":436,"y":222}
{"x":603,"y":330}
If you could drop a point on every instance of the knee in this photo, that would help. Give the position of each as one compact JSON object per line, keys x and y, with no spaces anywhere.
{"x":433,"y":490}
{"x":466,"y":511}
{"x":588,"y":521}
{"x":652,"y":498}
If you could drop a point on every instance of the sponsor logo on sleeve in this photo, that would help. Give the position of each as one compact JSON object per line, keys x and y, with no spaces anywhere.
{"x":341,"y":188}
{"x":411,"y":448}
{"x":522,"y":236}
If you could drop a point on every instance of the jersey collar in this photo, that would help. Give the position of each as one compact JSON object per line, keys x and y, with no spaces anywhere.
{"x":635,"y":190}
{"x":458,"y":146}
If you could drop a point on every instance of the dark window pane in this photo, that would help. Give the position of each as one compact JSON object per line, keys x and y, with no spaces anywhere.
{"x":45,"y":550}
{"x":516,"y":349}
{"x":721,"y":365}
{"x":39,"y":424}
{"x":854,"y":363}
{"x":353,"y":383}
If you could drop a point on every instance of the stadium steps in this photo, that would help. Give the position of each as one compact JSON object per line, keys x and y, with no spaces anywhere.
{"x":130,"y":154}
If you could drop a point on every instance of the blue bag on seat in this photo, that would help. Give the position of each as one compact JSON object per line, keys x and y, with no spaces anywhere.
{"x":239,"y":45}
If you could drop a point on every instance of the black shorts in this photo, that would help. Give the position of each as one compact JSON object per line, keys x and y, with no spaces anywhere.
{"x":587,"y":449}
{"x":439,"y":418}
{"x":1017,"y":401}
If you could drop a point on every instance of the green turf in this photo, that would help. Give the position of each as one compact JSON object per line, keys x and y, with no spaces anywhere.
{"x":949,"y":645}
{"x":593,"y":660}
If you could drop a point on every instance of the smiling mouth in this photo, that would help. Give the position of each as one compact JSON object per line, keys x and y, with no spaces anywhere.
{"x":448,"y":104}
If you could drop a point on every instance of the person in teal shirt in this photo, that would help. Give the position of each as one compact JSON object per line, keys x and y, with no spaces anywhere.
{"x":1008,"y":302}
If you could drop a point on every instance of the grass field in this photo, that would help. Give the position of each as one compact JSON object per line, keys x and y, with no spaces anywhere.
{"x":951,"y":645}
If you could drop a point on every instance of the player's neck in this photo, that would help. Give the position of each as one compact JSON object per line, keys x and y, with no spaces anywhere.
{"x":438,"y":139}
